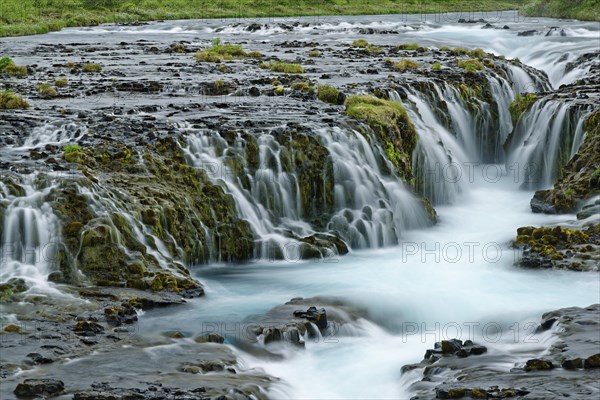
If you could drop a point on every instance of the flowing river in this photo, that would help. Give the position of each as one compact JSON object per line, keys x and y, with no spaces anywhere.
{"x":412,"y":284}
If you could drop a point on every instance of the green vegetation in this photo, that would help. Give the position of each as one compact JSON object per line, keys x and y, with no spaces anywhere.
{"x":61,"y":82}
{"x":376,"y":111}
{"x":8,"y":67}
{"x":459,"y":51}
{"x":390,"y":121}
{"x":369,"y":48}
{"x":11,"y":101}
{"x":408,"y":46}
{"x":592,"y":124}
{"x":303,"y":86}
{"x":436,"y":66}
{"x":569,"y":193}
{"x":596,"y":177}
{"x":314,"y":53}
{"x":521,"y":104}
{"x":578,"y":9}
{"x":329,"y":94}
{"x":254,"y":54}
{"x":278,"y":91}
{"x":404,"y":65}
{"x":46,"y":90}
{"x":27,"y":17}
{"x":91,"y":67}
{"x":177,"y":48}
{"x":360,"y":43}
{"x":287,"y":68}
{"x":477,"y":53}
{"x":71,"y":148}
{"x":5,"y":62}
{"x":16,"y":70}
{"x":489,"y":63}
{"x":220,"y":52}
{"x":224,"y":52}
{"x":471,"y":65}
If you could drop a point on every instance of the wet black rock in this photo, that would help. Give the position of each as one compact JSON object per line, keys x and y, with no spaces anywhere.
{"x":451,"y":377}
{"x":210,"y":338}
{"x":538,"y":365}
{"x":527,"y":33}
{"x":554,"y":30}
{"x":318,"y":317}
{"x":37,"y":358}
{"x":592,"y":362}
{"x":457,"y":392}
{"x":39,"y":387}
{"x":88,"y":328}
{"x":253,"y":27}
{"x":589,"y":210}
{"x":575,"y":363}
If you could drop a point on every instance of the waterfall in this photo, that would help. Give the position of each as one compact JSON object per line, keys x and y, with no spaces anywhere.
{"x":30,"y":232}
{"x":544,"y":140}
{"x":263,"y":198}
{"x":31,"y":237}
{"x":439,"y":157}
{"x":373,"y":208}
{"x":370,"y":208}
{"x":459,"y":127}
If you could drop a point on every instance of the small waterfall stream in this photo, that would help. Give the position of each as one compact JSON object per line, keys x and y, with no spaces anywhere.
{"x":30,"y":235}
{"x":544,"y":140}
{"x":370,"y":209}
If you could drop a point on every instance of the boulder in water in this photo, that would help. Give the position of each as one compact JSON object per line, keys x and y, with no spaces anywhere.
{"x":592,"y":362}
{"x":39,"y":387}
{"x":527,"y":33}
{"x":318,"y":317}
{"x":538,"y":365}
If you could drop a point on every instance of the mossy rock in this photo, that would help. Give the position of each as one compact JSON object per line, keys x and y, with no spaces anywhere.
{"x":392,"y":126}
{"x":310,"y":161}
{"x":579,"y":179}
{"x":14,"y":189}
{"x":592,"y":362}
{"x":538,"y":365}
{"x":12,"y":328}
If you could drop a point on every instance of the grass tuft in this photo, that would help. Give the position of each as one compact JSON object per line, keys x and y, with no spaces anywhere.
{"x":520,"y":105}
{"x":11,"y":101}
{"x":287,"y":68}
{"x":91,"y":68}
{"x":405,"y":65}
{"x":329,"y":94}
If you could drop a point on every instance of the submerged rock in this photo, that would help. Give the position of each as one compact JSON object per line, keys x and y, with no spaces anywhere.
{"x":39,"y":387}
{"x":451,"y":377}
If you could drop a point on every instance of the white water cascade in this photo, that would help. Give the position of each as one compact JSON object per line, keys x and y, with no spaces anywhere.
{"x":545,"y":138}
{"x":459,"y":130}
{"x":29,"y":236}
{"x":370,"y":209}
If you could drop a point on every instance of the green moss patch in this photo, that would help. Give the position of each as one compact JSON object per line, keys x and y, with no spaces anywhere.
{"x":390,"y":121}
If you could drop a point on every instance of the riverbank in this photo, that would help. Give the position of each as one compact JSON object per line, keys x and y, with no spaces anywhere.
{"x":18,"y":18}
{"x":30,"y":17}
{"x":587,"y":10}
